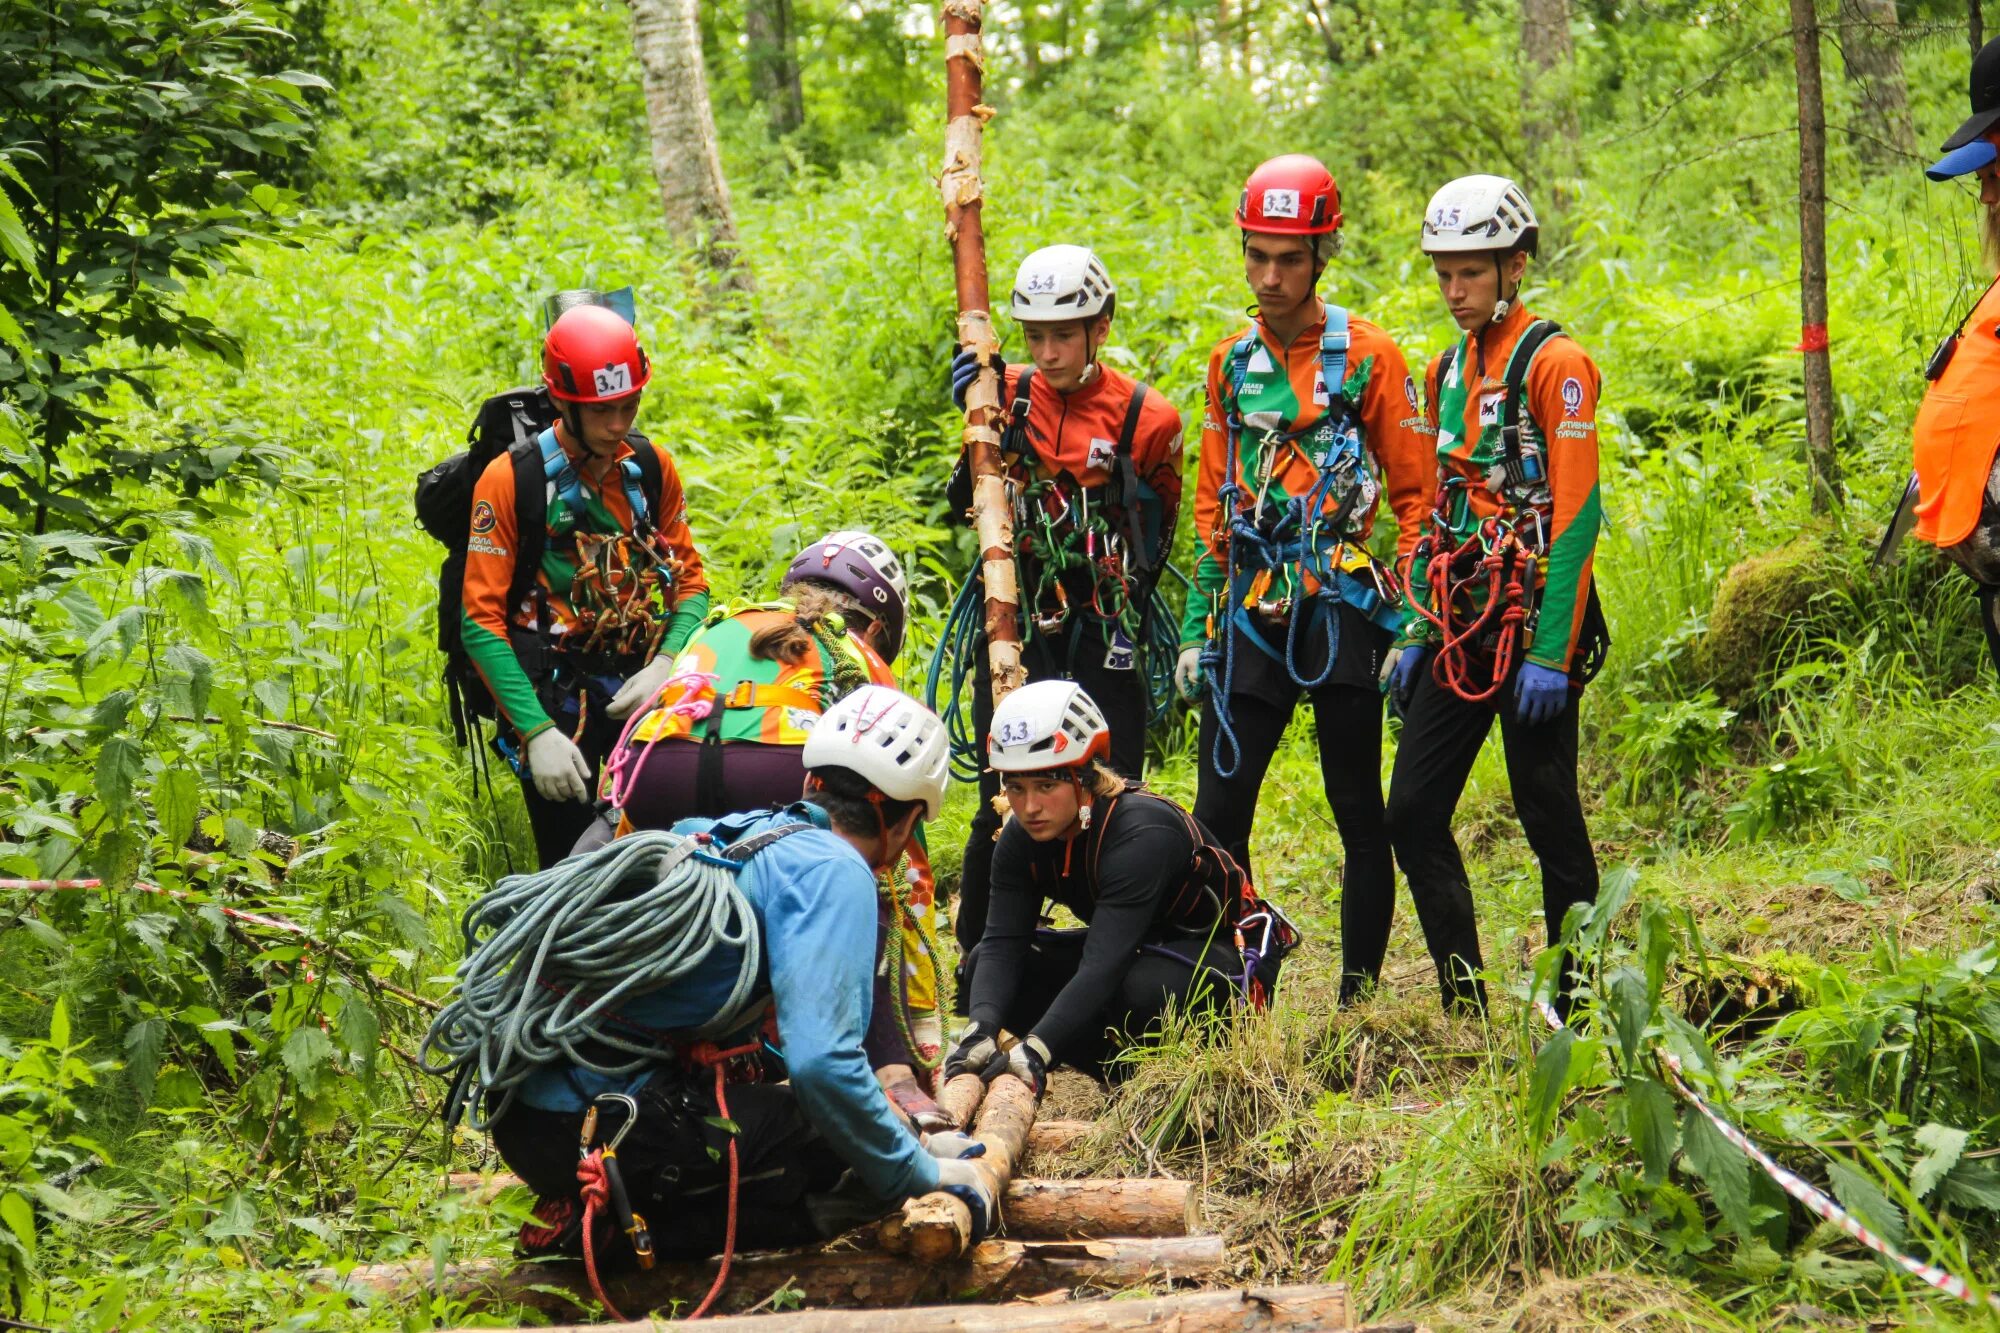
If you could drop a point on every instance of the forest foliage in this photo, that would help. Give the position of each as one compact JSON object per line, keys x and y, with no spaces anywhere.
{"x":258,"y":262}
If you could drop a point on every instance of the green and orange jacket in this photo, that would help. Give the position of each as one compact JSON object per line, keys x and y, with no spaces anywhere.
{"x":488,"y":622}
{"x":1560,"y":420}
{"x":775,"y":703}
{"x":1394,"y":431}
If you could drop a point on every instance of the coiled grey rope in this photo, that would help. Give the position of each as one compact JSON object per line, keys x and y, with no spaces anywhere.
{"x":550,"y":957}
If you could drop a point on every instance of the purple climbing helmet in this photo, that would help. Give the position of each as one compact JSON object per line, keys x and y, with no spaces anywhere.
{"x":861,"y":565}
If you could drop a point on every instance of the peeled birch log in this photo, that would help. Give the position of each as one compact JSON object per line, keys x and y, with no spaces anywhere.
{"x":1314,"y":1307}
{"x":993,"y":1270}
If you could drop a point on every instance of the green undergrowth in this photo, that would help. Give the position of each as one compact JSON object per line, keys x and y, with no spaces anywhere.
{"x":1791,"y":763}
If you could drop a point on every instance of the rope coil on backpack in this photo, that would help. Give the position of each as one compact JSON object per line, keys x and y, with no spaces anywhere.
{"x":552,"y":955}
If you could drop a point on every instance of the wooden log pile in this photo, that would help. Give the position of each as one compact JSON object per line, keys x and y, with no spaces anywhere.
{"x":1299,"y":1307}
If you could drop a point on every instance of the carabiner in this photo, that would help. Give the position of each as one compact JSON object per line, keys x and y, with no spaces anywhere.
{"x":631,"y":1116}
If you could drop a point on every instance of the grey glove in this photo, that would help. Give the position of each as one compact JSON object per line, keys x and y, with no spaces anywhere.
{"x":972,"y":1185}
{"x":644,"y":684}
{"x":559,"y":770}
{"x":978,"y":1052}
{"x":948,"y":1145}
{"x":1187,"y":671}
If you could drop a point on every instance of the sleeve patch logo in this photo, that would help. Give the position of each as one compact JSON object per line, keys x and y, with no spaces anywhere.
{"x":1281,"y":203}
{"x":615,"y":378}
{"x":482,"y":517}
{"x":1572,"y":396}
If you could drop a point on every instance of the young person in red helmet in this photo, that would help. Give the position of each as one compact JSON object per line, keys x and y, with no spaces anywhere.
{"x":1169,"y":920}
{"x":1311,"y":413}
{"x":618,"y":587}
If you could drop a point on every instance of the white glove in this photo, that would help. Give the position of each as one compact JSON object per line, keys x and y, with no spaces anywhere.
{"x":1187,"y":672}
{"x":645,"y":683}
{"x":559,"y":769}
{"x":974,"y":1186}
{"x":1389,"y":660}
{"x":950,"y":1145}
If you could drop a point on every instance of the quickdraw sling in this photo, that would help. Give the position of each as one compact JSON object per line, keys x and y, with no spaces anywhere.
{"x":1275,"y":547}
{"x":623,"y":583}
{"x":1482,"y":573}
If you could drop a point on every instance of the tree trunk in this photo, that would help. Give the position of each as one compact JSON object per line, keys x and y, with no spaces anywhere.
{"x":1548,"y":104}
{"x":938,"y":1227}
{"x":1870,"y":44}
{"x":667,"y":37}
{"x":774,"y":63}
{"x":996,"y":1270}
{"x":1306,"y":1307}
{"x":962,"y":188}
{"x":1823,"y":468}
{"x":1975,"y":25}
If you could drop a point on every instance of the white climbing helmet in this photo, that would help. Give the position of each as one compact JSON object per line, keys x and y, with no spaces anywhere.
{"x":887,"y":738}
{"x":1046,"y":724}
{"x":1475,"y":213}
{"x":1061,"y":282}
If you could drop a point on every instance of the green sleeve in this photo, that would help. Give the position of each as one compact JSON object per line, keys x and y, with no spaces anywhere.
{"x":1209,"y":577}
{"x":693,"y":609}
{"x":501,"y":670}
{"x":1416,"y":629}
{"x":1565,"y":583}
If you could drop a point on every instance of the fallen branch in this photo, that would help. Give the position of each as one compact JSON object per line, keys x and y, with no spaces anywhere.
{"x":1316,"y":1307}
{"x":994,"y":1270}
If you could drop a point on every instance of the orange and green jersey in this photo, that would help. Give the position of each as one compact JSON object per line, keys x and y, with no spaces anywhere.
{"x":585,"y":550}
{"x":778,"y":704}
{"x":1559,"y":421}
{"x":1281,"y":401}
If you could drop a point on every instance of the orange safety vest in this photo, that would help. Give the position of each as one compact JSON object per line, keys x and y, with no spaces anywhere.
{"x":1958,"y":431}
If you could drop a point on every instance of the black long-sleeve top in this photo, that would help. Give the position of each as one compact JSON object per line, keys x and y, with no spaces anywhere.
{"x":1140,"y":853}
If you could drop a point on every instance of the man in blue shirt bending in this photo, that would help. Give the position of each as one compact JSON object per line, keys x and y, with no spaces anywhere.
{"x":876,"y":764}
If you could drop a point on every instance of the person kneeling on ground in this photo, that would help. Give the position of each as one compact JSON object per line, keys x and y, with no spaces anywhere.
{"x":876,"y":766}
{"x":1169,"y":919}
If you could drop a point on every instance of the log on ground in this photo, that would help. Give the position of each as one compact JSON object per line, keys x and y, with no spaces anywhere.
{"x":1302,"y":1307}
{"x":938,"y":1227}
{"x":994,"y":1270}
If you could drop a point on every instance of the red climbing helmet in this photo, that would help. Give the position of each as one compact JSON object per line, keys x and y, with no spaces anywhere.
{"x":1293,"y":195}
{"x":592,"y":356}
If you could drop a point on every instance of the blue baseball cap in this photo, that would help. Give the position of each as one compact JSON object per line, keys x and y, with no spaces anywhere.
{"x":1963,"y":160}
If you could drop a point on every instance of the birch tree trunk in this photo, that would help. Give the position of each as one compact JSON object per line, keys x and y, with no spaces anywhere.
{"x":666,"y":35}
{"x":774,"y":63}
{"x":1823,"y":468}
{"x":1870,"y":44}
{"x":1548,"y":106}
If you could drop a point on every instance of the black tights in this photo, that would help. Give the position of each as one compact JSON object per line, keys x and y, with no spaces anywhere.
{"x":1349,"y":722}
{"x":1441,"y":737}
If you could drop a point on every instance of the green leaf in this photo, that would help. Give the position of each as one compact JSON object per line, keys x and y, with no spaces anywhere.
{"x":1860,"y":1195}
{"x":119,"y":765}
{"x":1551,"y":1076}
{"x":1973,"y":1185}
{"x":1721,"y":1166}
{"x":176,"y":803}
{"x":236,"y":1218}
{"x":145,"y":1041}
{"x":307,"y":1052}
{"x":360,"y":1031}
{"x":19,"y":1215}
{"x":59,"y":1025}
{"x":1651,"y":1124}
{"x":1942,"y":1145}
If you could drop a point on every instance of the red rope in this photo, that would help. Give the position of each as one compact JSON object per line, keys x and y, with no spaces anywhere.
{"x":706,"y":1053}
{"x":596,"y":1191}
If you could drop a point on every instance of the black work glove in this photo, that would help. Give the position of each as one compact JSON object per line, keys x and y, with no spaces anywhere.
{"x":978,"y":1052}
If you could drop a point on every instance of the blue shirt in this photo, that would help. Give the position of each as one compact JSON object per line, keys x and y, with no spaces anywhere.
{"x":813,"y":898}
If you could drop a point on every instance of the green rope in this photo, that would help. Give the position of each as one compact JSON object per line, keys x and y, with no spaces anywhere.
{"x":896,"y":888}
{"x":550,"y":957}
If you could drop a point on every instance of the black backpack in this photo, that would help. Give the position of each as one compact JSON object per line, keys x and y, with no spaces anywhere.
{"x":507,"y":423}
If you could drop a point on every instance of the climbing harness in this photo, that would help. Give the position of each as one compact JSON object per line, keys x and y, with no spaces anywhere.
{"x":551,"y":956}
{"x":622,"y":582}
{"x":1479,"y":589}
{"x":1278,"y":547}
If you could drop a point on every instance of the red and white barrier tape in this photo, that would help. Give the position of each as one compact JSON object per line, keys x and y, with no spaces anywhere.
{"x":1803,"y":1190}
{"x":49,"y":885}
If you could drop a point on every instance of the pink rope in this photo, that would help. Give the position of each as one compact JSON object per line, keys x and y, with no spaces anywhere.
{"x":625,"y":766}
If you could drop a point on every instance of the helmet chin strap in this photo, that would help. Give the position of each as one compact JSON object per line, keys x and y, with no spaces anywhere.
{"x":1505,"y":303}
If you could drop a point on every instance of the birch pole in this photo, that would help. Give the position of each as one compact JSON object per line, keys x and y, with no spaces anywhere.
{"x":962,"y":189}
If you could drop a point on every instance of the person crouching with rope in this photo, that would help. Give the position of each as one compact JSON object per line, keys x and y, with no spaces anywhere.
{"x":1094,"y":465}
{"x":771,"y":975}
{"x":1170,"y":921}
{"x":1306,"y":410}
{"x":726,"y":731}
{"x":1505,"y":617}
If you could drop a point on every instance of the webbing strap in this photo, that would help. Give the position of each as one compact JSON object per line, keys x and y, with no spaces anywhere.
{"x":562,"y":480}
{"x":1518,"y":366}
